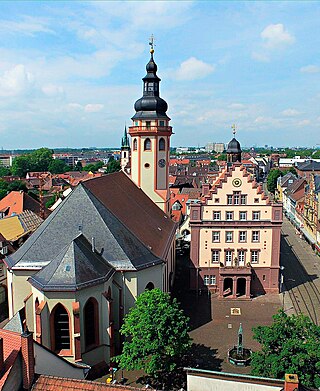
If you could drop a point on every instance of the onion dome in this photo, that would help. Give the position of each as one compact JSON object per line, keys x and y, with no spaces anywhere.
{"x":234,"y":146}
{"x":150,"y":105}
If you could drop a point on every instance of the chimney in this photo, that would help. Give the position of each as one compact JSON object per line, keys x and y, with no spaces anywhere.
{"x":291,"y":382}
{"x":1,"y":356}
{"x":205,"y":188}
{"x":27,"y":359}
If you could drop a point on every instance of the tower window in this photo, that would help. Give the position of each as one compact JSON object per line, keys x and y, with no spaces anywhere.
{"x":135,"y":144}
{"x":147,"y":144}
{"x":60,"y":328}
{"x":161,"y":123}
{"x":148,"y":124}
{"x":91,"y":322}
{"x":162,"y":144}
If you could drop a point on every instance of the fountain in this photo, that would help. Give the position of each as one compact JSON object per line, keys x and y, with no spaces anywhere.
{"x":239,"y":355}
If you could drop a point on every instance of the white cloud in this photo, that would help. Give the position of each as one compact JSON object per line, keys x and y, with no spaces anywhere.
{"x":29,"y":25}
{"x":52,"y":90}
{"x":93,"y":107}
{"x":74,"y":106}
{"x":290,"y":112}
{"x":304,"y":122}
{"x":310,"y":69}
{"x":193,"y":69}
{"x":16,"y":81}
{"x":275,"y":35}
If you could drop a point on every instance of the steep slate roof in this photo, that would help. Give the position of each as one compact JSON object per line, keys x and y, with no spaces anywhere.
{"x":135,"y":210}
{"x":309,"y":165}
{"x":284,"y":181}
{"x":129,"y":230}
{"x":76,"y":267}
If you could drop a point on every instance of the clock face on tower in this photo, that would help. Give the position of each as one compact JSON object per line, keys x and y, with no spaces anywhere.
{"x":161,"y":163}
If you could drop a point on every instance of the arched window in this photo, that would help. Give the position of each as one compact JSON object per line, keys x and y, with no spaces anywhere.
{"x":135,"y":144}
{"x":60,"y":329}
{"x":91,"y":323}
{"x":147,"y":144}
{"x":162,"y":144}
{"x":149,"y":286}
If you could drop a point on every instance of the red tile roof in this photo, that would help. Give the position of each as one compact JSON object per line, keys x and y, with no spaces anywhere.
{"x":51,"y":383}
{"x":11,"y":349}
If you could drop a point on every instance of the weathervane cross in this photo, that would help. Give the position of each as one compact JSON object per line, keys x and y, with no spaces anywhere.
{"x":151,"y":42}
{"x":233,"y":127}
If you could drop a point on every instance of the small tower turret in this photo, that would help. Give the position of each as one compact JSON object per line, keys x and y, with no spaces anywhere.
{"x":125,"y":150}
{"x":234,"y":149}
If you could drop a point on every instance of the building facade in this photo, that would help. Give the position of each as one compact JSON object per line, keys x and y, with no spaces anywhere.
{"x":235,"y":235}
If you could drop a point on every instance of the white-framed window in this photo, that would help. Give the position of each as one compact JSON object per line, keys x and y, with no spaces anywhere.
{"x":217,"y":200}
{"x":236,"y":198}
{"x":256,"y":200}
{"x":242,"y":236}
{"x":215,"y":256}
{"x":242,"y":216}
{"x":206,"y":279}
{"x":212,"y":280}
{"x":229,"y":199}
{"x":256,"y":215}
{"x":228,"y":257}
{"x":254,"y":256}
{"x":161,"y":123}
{"x":255,"y":236}
{"x":229,"y":236}
{"x":241,"y":257}
{"x":229,"y":216}
{"x":216,"y":215}
{"x":216,"y":236}
{"x":243,"y":199}
{"x":135,"y":144}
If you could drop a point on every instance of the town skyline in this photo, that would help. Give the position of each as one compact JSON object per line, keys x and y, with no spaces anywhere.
{"x":70,"y":71}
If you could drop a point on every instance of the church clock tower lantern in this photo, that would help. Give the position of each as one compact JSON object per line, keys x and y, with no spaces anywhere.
{"x":150,"y":139}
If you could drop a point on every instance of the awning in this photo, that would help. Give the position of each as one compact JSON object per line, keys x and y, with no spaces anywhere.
{"x":308,"y":236}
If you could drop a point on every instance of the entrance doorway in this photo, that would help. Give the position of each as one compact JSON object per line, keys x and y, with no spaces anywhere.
{"x":241,"y":286}
{"x":227,"y":287}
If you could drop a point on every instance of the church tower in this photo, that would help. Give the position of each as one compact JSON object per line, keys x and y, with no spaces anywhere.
{"x":150,"y":133}
{"x":125,"y":150}
{"x":234,"y":149}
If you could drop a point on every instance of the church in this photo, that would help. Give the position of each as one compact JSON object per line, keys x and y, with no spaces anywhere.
{"x":112,"y":238}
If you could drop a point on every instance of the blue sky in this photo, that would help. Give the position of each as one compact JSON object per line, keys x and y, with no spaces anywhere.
{"x":70,"y":72}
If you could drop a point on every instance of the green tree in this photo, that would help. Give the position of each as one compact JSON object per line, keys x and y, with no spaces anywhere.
{"x":93,"y":166}
{"x":57,"y":166}
{"x":21,"y":165}
{"x":290,"y":345}
{"x":4,"y":171}
{"x":41,"y":158}
{"x":37,"y":160}
{"x":156,"y":332}
{"x":222,"y":157}
{"x":78,"y":166}
{"x":272,"y":179}
{"x":113,"y":166}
